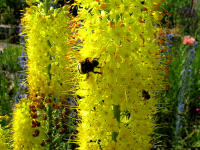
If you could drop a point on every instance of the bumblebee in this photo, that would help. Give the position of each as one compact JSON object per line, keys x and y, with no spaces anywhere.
{"x":88,"y":65}
{"x":146,"y":95}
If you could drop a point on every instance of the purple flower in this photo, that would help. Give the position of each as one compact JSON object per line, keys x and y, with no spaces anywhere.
{"x":169,"y":36}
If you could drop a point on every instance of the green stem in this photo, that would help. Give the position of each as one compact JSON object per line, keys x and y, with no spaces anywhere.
{"x":50,"y":128}
{"x":50,"y":108}
{"x":114,"y":136}
{"x":47,"y":6}
{"x":49,"y":66}
{"x":116,"y":111}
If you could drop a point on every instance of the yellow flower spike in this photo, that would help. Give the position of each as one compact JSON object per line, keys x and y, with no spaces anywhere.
{"x":47,"y":43}
{"x":113,"y":103}
{"x":30,"y":2}
{"x":22,"y":128}
{"x":3,"y":139}
{"x":46,"y":38}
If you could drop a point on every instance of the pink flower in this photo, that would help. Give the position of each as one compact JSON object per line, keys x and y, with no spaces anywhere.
{"x":188,"y":40}
{"x":197,"y":109}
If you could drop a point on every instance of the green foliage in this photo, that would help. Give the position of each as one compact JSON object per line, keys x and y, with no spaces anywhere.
{"x":10,"y":11}
{"x":185,"y":16}
{"x":5,"y":138}
{"x":184,"y":13}
{"x":2,"y":5}
{"x":9,"y":59}
{"x":9,"y":79}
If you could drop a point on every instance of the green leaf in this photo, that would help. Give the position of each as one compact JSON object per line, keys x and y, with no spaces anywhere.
{"x":49,"y":43}
{"x":116,"y":109}
{"x":114,"y":136}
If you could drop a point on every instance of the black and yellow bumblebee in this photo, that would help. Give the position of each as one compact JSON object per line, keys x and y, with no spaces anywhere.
{"x":88,"y":65}
{"x":146,"y":95}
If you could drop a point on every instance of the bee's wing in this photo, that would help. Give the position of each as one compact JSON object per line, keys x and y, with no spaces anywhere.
{"x":79,"y":68}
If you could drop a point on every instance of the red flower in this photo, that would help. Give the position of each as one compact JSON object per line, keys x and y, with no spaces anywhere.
{"x":188,"y":40}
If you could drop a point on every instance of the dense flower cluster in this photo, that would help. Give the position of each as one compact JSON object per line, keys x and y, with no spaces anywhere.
{"x":116,"y":105}
{"x":46,"y":36}
{"x":23,"y":132}
{"x":3,"y":139}
{"x":46,"y":52}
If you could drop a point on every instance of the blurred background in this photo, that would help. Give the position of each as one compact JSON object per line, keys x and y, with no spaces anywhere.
{"x":10,"y":13}
{"x":10,"y":55}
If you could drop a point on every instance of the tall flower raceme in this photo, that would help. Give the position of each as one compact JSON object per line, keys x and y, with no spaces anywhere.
{"x":185,"y":85}
{"x":46,"y":38}
{"x":117,"y":100}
